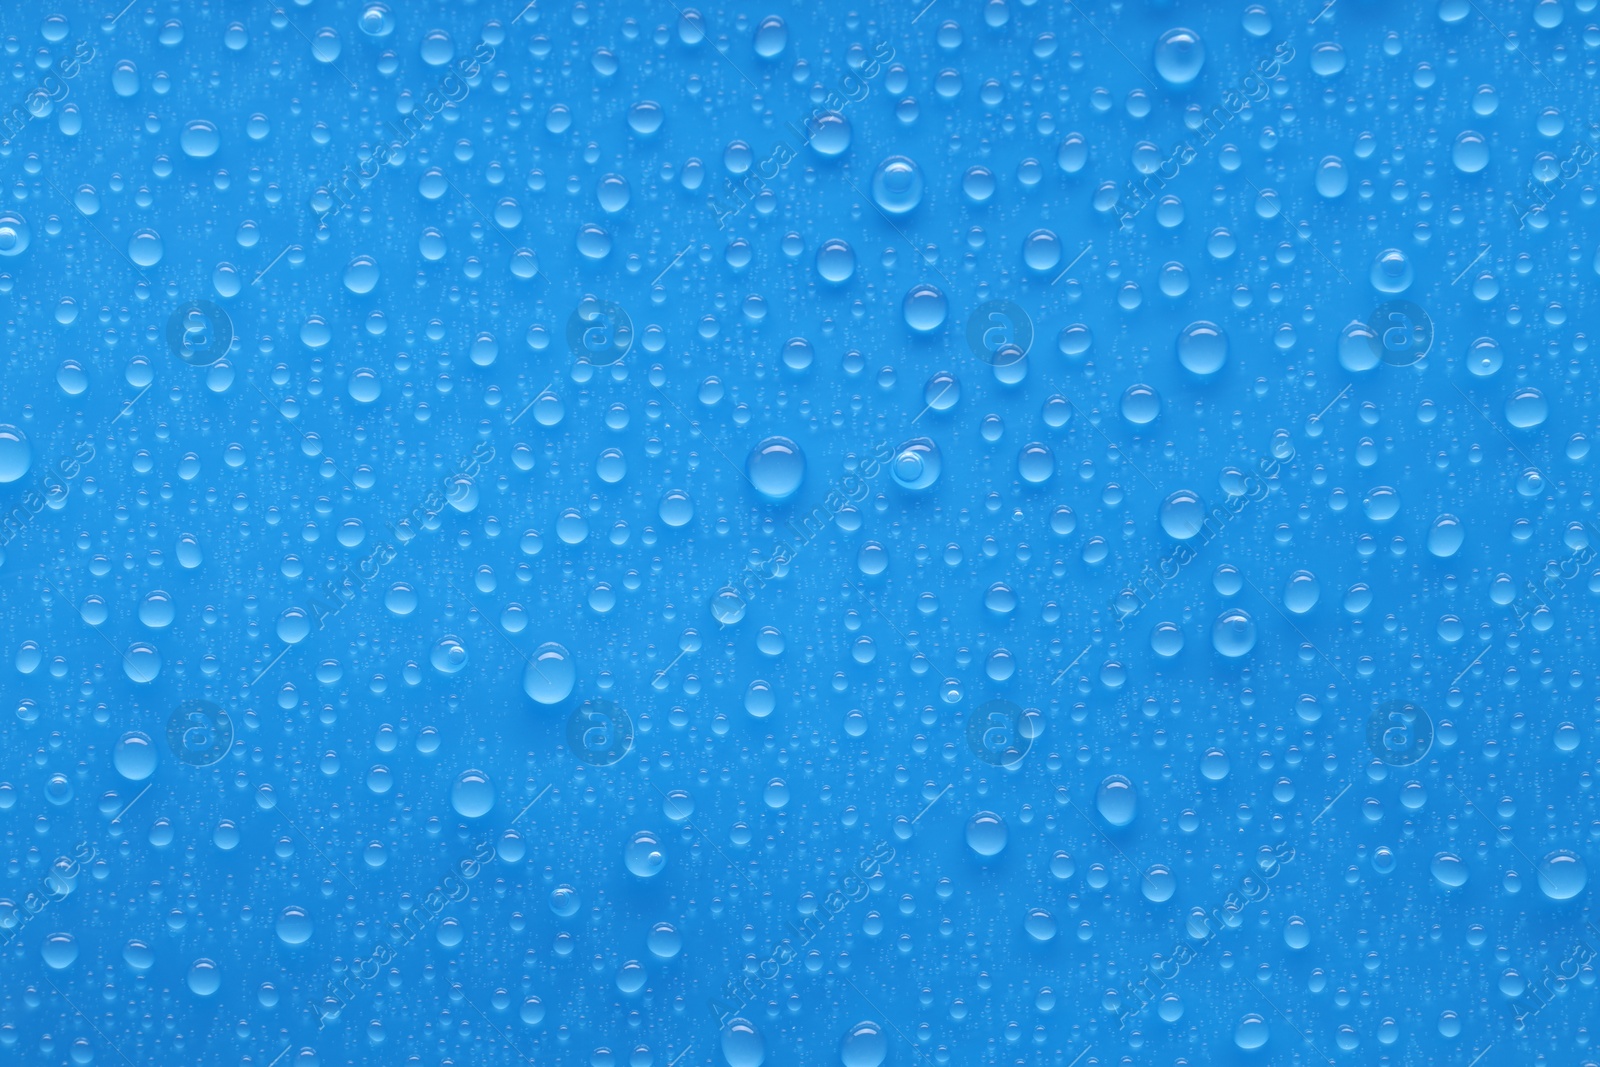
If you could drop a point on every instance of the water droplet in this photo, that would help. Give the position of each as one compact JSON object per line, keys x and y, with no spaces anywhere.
{"x":917,"y":464}
{"x":16,"y":454}
{"x":1183,"y":515}
{"x":59,"y":951}
{"x":199,"y":139}
{"x":1117,"y":800}
{"x":472,"y":795}
{"x":1527,"y":408}
{"x":1202,"y":347}
{"x":772,"y":37}
{"x":448,"y":655}
{"x":836,"y":261}
{"x":1251,"y":1033}
{"x":205,"y":978}
{"x":135,"y":756}
{"x":742,"y":1044}
{"x":1040,"y":924}
{"x":294,"y":925}
{"x":866,"y":1045}
{"x":986,"y":833}
{"x":1234,"y":633}
{"x":1179,"y":56}
{"x":644,"y":854}
{"x":1302,"y":592}
{"x":1158,"y":884}
{"x":145,"y":248}
{"x":1449,"y":870}
{"x":1470,"y":153}
{"x":1562,"y":875}
{"x":551,"y":674}
{"x":1392,"y":271}
{"x":1445,"y":537}
{"x":925,"y":308}
{"x":776,"y":468}
{"x":897,"y":185}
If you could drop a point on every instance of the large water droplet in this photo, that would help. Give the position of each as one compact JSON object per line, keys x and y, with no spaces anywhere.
{"x":1202,"y":347}
{"x":16,"y":454}
{"x":742,"y":1044}
{"x":472,"y":795}
{"x":550,"y":675}
{"x":986,"y":833}
{"x":1234,"y":633}
{"x":1117,"y":800}
{"x":897,"y":185}
{"x":776,"y":467}
{"x":1179,"y":56}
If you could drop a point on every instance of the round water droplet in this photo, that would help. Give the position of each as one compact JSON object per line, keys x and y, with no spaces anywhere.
{"x":205,"y":978}
{"x":644,"y":854}
{"x":1036,"y":463}
{"x":1158,"y":884}
{"x":294,"y":925}
{"x":1141,"y":404}
{"x":866,"y":1045}
{"x":1562,"y":875}
{"x":1251,"y":1033}
{"x":925,"y":308}
{"x":1117,"y":800}
{"x":776,"y":468}
{"x":836,"y":261}
{"x":550,"y":674}
{"x":917,"y":464}
{"x":1202,"y":348}
{"x":897,"y":185}
{"x":742,"y":1044}
{"x":135,"y":756}
{"x":986,"y":834}
{"x":141,"y":663}
{"x":15,"y":234}
{"x":1179,"y":56}
{"x":16,"y":454}
{"x":1392,"y":271}
{"x":472,"y":795}
{"x":1470,"y":153}
{"x":448,"y":655}
{"x":1446,"y":536}
{"x":1449,"y":870}
{"x":1183,"y":515}
{"x":1302,"y":592}
{"x":59,"y":951}
{"x":199,"y":139}
{"x":1484,"y":357}
{"x":830,"y":134}
{"x":145,"y":248}
{"x":1527,"y":408}
{"x":772,"y":37}
{"x":1041,"y":251}
{"x":1234,"y":633}
{"x":361,"y":275}
{"x":664,"y":941}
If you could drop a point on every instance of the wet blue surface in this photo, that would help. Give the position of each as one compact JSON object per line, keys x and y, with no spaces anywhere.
{"x":1006,"y":533}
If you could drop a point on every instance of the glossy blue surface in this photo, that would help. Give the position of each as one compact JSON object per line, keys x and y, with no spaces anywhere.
{"x":915,"y":533}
